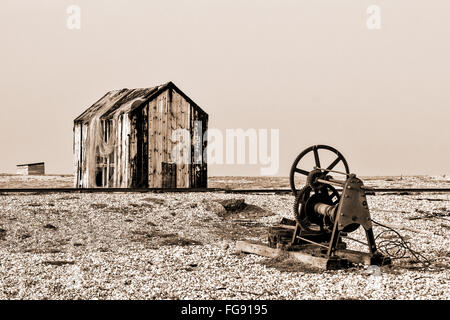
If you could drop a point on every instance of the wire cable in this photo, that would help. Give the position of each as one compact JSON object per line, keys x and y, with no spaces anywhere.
{"x":397,"y":248}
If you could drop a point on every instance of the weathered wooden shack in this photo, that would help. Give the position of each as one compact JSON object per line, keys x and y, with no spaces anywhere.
{"x":37,"y":168}
{"x":128,"y":137}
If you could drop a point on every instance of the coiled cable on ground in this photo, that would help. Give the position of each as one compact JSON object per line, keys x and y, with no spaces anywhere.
{"x":395,"y":246}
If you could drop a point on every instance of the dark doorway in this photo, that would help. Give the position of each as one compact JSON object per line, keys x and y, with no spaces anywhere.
{"x":169,"y":175}
{"x":139,"y":148}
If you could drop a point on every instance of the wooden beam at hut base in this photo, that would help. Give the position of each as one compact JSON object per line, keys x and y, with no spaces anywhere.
{"x":358,"y":257}
{"x":321,"y":263}
{"x":341,"y":261}
{"x":355,"y":257}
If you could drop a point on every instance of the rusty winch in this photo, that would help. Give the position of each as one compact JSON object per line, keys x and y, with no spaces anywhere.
{"x":324,"y":215}
{"x":326,"y":210}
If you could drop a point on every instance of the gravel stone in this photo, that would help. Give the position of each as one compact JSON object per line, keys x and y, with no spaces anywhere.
{"x":169,"y":248}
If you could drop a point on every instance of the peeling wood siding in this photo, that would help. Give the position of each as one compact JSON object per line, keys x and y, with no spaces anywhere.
{"x":204,"y":148}
{"x":76,"y":153}
{"x":126,"y":151}
{"x":139,"y":147}
{"x":158,"y":139}
{"x":167,"y":111}
{"x":152,"y":142}
{"x":132,"y":150}
{"x":122,"y":152}
{"x":79,"y":137}
{"x":184,"y":123}
{"x":170,"y":112}
{"x":186,"y":168}
{"x":181,"y":121}
{"x":198,"y":168}
{"x":176,"y":106}
{"x":85,"y":165}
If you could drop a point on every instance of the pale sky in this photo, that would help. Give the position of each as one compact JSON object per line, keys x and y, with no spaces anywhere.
{"x":310,"y":68}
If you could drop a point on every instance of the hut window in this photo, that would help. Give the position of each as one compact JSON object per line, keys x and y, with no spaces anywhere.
{"x":104,"y":176}
{"x":106,"y":129}
{"x":99,"y":177}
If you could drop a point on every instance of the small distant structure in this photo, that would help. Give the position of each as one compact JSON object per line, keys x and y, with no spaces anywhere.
{"x":27,"y":169}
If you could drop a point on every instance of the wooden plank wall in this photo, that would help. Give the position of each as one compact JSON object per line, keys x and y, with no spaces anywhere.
{"x":120,"y":156}
{"x":139,"y":147}
{"x":84,"y":165}
{"x":38,"y":169}
{"x":132,"y":149}
{"x":198,"y":172}
{"x":22,"y":170}
{"x":143,"y":145}
{"x":205,"y":145}
{"x":76,"y":153}
{"x":117,"y":157}
{"x":167,"y":113}
{"x":121,"y":152}
{"x":122,"y":165}
{"x":152,"y":120}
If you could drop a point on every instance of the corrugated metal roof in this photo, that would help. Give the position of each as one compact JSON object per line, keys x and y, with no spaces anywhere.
{"x":133,"y":99}
{"x":108,"y":99}
{"x":125,"y":100}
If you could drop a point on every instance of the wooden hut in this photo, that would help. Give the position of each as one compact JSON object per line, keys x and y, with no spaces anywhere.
{"x":128,"y":137}
{"x":31,"y":168}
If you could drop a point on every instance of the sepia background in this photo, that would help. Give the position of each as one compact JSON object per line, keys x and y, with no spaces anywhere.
{"x":311,"y":68}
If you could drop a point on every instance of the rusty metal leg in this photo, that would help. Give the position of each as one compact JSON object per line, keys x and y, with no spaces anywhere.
{"x":377,"y":258}
{"x":334,"y":240}
{"x":295,"y":234}
{"x":371,"y":241}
